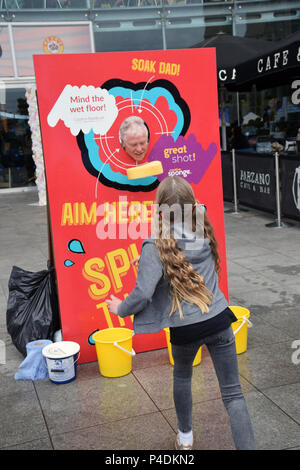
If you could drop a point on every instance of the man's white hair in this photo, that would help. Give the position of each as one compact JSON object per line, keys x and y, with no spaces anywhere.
{"x":127,"y":123}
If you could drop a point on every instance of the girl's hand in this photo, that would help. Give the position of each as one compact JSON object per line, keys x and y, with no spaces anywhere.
{"x":135,"y":260}
{"x":113,"y":304}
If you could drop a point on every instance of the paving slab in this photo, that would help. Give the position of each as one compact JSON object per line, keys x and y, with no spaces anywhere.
{"x":149,"y":431}
{"x":286,"y":397}
{"x":157,"y":382}
{"x":269,"y":365}
{"x":137,"y":411}
{"x":90,"y":402}
{"x":21,"y":419}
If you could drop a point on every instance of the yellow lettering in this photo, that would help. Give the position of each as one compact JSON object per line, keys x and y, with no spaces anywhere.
{"x":174,"y":150}
{"x":123,"y":219}
{"x":166,"y":153}
{"x":67,"y":214}
{"x":162,"y":67}
{"x":168,"y":68}
{"x":88,"y":217}
{"x":144,"y":65}
{"x":146,"y":212}
{"x":133,"y":254}
{"x":118,"y":264}
{"x":134,"y":211}
{"x":141,"y":64}
{"x":104,"y":307}
{"x":76,"y":213}
{"x":134,"y":64}
{"x":92,"y":271}
{"x":174,"y":68}
{"x":110,"y":212}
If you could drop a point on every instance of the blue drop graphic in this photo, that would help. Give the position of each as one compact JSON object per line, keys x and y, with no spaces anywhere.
{"x":75,"y":246}
{"x":90,"y":338}
{"x":68,"y":263}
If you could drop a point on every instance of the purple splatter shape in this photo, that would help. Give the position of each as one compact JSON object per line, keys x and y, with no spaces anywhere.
{"x":183,"y":157}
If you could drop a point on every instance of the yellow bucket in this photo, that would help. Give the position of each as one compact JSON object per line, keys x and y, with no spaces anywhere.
{"x":114,"y":360}
{"x":197,"y":359}
{"x":240,"y":327}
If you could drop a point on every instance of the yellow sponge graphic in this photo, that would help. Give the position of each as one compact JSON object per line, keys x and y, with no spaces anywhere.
{"x":147,"y":169}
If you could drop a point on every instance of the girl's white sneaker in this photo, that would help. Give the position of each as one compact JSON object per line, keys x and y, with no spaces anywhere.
{"x":179,"y":446}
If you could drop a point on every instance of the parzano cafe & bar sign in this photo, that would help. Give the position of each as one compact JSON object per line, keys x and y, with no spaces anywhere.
{"x":256,"y":181}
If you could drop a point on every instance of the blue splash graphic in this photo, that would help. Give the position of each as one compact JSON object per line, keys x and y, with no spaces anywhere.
{"x":75,"y":246}
{"x":90,"y":338}
{"x":137,"y":97}
{"x":68,"y":263}
{"x":152,"y":95}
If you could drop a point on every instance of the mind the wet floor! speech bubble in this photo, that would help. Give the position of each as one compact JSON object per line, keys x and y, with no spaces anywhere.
{"x":84,"y":108}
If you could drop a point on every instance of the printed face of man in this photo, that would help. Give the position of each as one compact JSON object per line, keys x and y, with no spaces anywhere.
{"x":136,"y":142}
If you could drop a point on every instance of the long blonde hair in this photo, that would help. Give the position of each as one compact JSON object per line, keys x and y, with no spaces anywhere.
{"x":186,"y":284}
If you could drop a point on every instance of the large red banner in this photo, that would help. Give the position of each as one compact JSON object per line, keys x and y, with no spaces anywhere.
{"x":100,"y":216}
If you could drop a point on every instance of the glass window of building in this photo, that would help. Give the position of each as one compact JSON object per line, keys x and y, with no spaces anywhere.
{"x":17,"y":167}
{"x":77,"y":26}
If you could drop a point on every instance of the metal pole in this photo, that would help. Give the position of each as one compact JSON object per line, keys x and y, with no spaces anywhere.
{"x":234,"y":183}
{"x":223,"y":119}
{"x":278,"y":223}
{"x":277,"y":189}
{"x":163,"y":25}
{"x":233,"y":17}
{"x":238,"y":108}
{"x":12,"y":49}
{"x":92,"y":37}
{"x":235,"y":210}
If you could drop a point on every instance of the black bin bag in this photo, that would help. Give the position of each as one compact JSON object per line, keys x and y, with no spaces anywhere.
{"x":32,"y":308}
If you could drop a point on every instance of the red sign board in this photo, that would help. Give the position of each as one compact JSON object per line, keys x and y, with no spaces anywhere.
{"x":99,"y":216}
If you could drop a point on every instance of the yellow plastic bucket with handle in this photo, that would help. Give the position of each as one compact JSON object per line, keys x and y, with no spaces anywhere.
{"x":197,"y":359}
{"x":114,"y":351}
{"x":240,"y":327}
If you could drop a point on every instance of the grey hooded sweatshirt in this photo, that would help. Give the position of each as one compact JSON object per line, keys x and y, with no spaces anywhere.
{"x":150,"y":301}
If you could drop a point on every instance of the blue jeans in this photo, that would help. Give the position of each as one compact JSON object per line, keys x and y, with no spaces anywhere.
{"x":221,"y":347}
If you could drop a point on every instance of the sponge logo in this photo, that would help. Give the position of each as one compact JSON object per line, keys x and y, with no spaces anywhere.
{"x":53,"y":45}
{"x":161,"y":107}
{"x":179,"y":172}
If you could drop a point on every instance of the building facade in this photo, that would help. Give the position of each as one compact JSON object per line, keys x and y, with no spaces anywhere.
{"x":72,"y":26}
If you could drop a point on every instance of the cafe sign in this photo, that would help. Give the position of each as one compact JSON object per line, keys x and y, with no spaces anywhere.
{"x":268,"y":69}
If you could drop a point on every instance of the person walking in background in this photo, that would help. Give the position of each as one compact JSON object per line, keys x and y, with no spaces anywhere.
{"x":177,"y":287}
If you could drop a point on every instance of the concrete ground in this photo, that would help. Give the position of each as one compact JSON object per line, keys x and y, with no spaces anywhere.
{"x":137,"y":411}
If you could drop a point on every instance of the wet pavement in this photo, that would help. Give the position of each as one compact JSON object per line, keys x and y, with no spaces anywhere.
{"x":136,"y":411}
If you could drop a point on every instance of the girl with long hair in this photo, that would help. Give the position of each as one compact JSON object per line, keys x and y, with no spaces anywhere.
{"x":177,"y":287}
